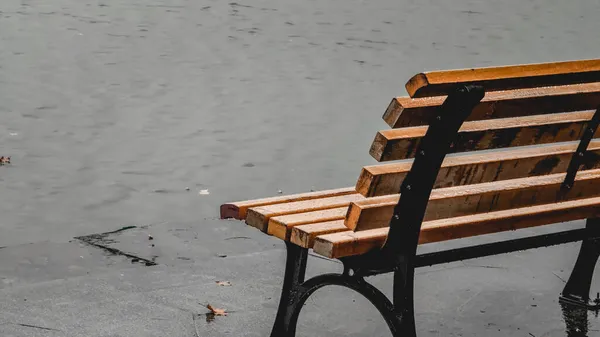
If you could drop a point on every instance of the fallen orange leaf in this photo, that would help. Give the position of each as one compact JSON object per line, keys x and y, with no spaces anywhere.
{"x":216,"y":311}
{"x":224,"y":283}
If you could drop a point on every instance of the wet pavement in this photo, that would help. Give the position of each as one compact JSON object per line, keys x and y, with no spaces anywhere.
{"x":121,"y":113}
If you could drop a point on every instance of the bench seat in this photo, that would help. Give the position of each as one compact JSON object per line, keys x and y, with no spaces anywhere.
{"x":359,"y":221}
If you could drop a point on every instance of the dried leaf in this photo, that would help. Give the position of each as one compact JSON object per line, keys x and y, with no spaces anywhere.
{"x":216,"y":311}
{"x":224,"y":283}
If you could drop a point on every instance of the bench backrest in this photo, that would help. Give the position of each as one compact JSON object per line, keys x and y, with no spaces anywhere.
{"x":550,"y":104}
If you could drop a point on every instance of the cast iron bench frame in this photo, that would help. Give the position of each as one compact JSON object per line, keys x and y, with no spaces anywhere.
{"x":399,"y":254}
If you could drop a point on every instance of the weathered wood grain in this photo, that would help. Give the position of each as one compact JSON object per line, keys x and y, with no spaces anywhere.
{"x":478,"y":198}
{"x":305,"y":235}
{"x":349,"y":243}
{"x":479,"y":167}
{"x":238,"y":210}
{"x":259,"y":216}
{"x":491,"y":134}
{"x":281,"y":226}
{"x":406,"y":111}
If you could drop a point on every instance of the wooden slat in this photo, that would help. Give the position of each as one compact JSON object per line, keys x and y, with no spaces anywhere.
{"x":354,"y":243}
{"x":470,"y":199}
{"x":349,"y":243}
{"x":491,"y":134}
{"x":281,"y":226}
{"x":305,"y":235}
{"x":478,"y":167}
{"x":239,"y":209}
{"x":259,"y":216}
{"x":406,"y":111}
{"x":437,"y":83}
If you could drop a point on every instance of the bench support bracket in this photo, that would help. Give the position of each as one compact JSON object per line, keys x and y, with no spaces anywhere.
{"x":415,"y":190}
{"x":296,"y":291}
{"x":581,"y":155}
{"x":577,"y":289}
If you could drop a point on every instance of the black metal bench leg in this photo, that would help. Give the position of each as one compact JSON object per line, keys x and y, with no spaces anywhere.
{"x":356,"y":283}
{"x":295,"y":269}
{"x":404,"y":299}
{"x":296,"y":291}
{"x":577,"y":289}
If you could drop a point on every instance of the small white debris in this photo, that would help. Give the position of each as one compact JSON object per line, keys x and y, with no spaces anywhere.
{"x":13,"y":134}
{"x":279,"y":191}
{"x":203,"y":192}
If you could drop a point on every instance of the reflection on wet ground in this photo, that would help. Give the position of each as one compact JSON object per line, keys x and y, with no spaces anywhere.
{"x":576,"y":320}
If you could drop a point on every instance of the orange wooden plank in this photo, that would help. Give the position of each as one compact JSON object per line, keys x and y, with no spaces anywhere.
{"x":403,"y":143}
{"x":305,"y":235}
{"x":479,"y":167}
{"x":406,"y":111}
{"x":477,"y":198}
{"x":259,"y":216}
{"x":281,"y":226}
{"x":437,"y":83}
{"x":354,"y":243}
{"x":239,"y":209}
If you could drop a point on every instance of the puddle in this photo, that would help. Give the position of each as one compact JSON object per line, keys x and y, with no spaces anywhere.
{"x":577,"y":320}
{"x":103,"y":240}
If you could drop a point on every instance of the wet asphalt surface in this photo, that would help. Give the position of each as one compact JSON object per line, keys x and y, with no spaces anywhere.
{"x":113,"y":109}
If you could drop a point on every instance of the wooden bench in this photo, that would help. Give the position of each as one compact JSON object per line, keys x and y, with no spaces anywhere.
{"x":522,"y":154}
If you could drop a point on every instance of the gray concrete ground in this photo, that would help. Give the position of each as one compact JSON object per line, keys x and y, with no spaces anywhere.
{"x":111,"y":108}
